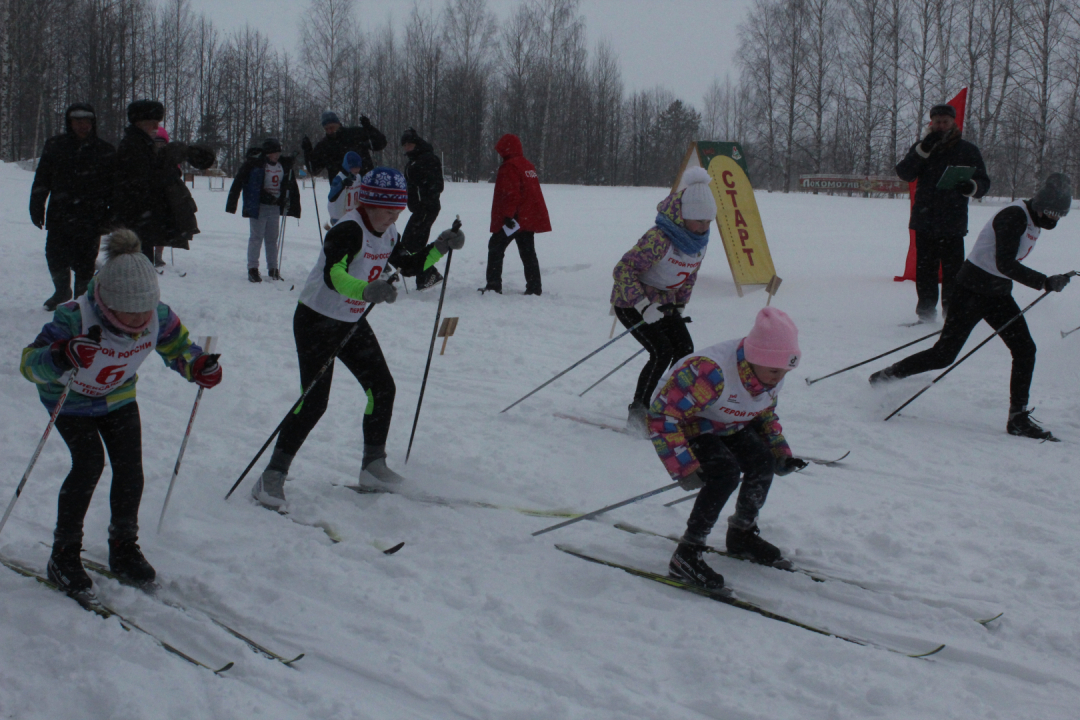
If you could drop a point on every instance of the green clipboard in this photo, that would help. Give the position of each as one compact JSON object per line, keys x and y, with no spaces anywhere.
{"x":955,"y":175}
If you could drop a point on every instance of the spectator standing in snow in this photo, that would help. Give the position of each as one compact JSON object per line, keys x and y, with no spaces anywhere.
{"x":984,"y":292}
{"x":347,"y":278}
{"x":518,"y":212}
{"x":75,"y":174}
{"x":654,"y":280}
{"x":330,"y":151}
{"x":120,"y":315}
{"x":939,"y":217}
{"x":265,"y":180}
{"x":424,"y":175}
{"x":713,"y":423}
{"x":344,"y":192}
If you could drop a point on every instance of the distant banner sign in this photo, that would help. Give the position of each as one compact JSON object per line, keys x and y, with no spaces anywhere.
{"x":852,"y":183}
{"x":737,"y":216}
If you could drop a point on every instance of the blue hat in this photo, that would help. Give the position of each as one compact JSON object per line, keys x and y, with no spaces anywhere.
{"x":352,"y":159}
{"x":329,"y":116}
{"x":384,"y":187}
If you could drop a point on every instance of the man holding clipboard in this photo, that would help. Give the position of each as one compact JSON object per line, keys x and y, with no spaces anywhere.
{"x":949,"y":170}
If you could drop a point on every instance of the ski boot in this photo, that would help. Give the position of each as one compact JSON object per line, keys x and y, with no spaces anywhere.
{"x":65,"y":568}
{"x":637,"y":419}
{"x":882,"y":376}
{"x":127,"y":561}
{"x":746,"y":543}
{"x":269,"y":490}
{"x":687,"y":564}
{"x":376,"y":472}
{"x":490,"y":288}
{"x":1021,"y":424}
{"x":429,"y":279}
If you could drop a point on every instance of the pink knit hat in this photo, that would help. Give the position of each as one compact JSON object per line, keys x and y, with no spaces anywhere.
{"x":774,"y":341}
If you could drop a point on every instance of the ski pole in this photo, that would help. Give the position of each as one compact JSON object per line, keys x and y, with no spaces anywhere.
{"x":1066,"y":334}
{"x":183,"y":448}
{"x":95,"y":335}
{"x":684,"y":498}
{"x":431,"y":349}
{"x":315,"y":198}
{"x":284,"y":219}
{"x":617,"y":368}
{"x":601,"y":511}
{"x":876,"y":357}
{"x":993,"y":335}
{"x":609,"y":342}
{"x":300,"y":401}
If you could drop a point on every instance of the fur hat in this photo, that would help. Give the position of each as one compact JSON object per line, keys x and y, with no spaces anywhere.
{"x":328,"y":116}
{"x":1054,"y":197}
{"x":127,"y":281}
{"x":384,"y":187}
{"x":773,"y":341}
{"x":698,"y":202}
{"x":943,"y":110}
{"x":145,"y":110}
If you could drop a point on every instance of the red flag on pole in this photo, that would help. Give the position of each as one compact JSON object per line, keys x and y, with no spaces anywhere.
{"x":959,"y":103}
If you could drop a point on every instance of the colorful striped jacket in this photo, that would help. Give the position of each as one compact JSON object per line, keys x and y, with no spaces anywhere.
{"x":693,"y":385}
{"x":39,"y":366}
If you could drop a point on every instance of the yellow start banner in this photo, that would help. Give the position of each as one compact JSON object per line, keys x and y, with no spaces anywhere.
{"x":737,"y":216}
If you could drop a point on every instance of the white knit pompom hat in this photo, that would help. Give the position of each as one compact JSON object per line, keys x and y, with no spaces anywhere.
{"x":127,"y":282}
{"x":697,"y":198}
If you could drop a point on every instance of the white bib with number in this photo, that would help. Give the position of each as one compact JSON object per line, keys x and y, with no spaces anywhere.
{"x":673,"y":270}
{"x":272,"y":177}
{"x":346,"y":202}
{"x":984,"y":254}
{"x":368,"y":265}
{"x":119,"y":358}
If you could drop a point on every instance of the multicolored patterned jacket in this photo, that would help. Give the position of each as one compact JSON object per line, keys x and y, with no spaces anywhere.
{"x":39,"y":366}
{"x":649,"y":250}
{"x":692,"y":386}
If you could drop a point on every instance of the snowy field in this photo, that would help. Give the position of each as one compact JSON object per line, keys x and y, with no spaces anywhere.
{"x":938,"y":513}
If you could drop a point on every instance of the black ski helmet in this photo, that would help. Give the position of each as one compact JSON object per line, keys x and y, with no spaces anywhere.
{"x":1054,"y":198}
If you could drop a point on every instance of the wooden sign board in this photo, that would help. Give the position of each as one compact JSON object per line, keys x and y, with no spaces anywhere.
{"x":446,"y":330}
{"x":737,"y":216}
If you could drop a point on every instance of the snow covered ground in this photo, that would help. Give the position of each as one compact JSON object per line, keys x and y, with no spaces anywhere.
{"x":939,"y":513}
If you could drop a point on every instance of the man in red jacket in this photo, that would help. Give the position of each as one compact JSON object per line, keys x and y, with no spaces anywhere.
{"x":517,"y":213}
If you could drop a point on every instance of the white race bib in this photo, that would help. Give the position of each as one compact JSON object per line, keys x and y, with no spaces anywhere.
{"x":673,"y":270}
{"x":119,"y":358}
{"x":984,"y":253}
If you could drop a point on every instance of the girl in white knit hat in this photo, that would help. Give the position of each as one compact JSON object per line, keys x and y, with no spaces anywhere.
{"x":654,"y":280}
{"x":713,"y":422}
{"x":103,"y":338}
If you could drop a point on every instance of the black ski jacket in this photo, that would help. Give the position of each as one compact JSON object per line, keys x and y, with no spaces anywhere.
{"x":424,"y":175}
{"x":76,"y":176}
{"x":942,"y":212}
{"x":142,"y":178}
{"x":329,"y":152}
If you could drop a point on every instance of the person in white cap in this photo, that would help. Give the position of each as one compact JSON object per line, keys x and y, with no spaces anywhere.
{"x":713,"y":423}
{"x":654,"y":280}
{"x":103,"y":337}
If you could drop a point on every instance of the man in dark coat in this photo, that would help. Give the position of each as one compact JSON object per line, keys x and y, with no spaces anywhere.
{"x":939,"y":216}
{"x":424,"y":175}
{"x":329,"y":153}
{"x":143,"y":176}
{"x":75,"y":174}
{"x":518,"y":212}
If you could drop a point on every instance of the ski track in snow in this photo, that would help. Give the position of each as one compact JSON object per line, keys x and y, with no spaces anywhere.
{"x":944,"y":516}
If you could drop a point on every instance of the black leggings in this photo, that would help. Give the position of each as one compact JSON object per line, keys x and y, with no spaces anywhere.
{"x":526,"y":249}
{"x":317,"y":337}
{"x":666,"y":340}
{"x":723,"y":460}
{"x":121,"y":431}
{"x":966,"y":309}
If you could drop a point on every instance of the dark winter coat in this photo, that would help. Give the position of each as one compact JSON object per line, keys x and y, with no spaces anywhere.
{"x":249,"y":180}
{"x":329,"y":152}
{"x":77,"y":178}
{"x":942,"y":212}
{"x":517,"y":190}
{"x":424,"y":176}
{"x":144,"y":182}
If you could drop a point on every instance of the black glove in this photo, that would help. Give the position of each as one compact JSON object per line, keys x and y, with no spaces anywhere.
{"x":790,"y":465}
{"x":347,"y":179}
{"x":79,"y":351}
{"x":449,"y":240}
{"x":931,"y":140}
{"x":968,"y":187}
{"x":38,"y":219}
{"x":305,"y":145}
{"x":176,"y":153}
{"x":364,"y":122}
{"x":379,"y":291}
{"x":1056,"y":283}
{"x":200,"y":158}
{"x":693,"y":481}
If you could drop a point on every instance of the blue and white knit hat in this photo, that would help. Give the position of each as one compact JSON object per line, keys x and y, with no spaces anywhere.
{"x":384,"y":187}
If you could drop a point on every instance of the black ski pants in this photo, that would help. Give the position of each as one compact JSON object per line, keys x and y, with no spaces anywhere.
{"x":67,"y":252}
{"x":933,"y":251}
{"x":965,"y":311}
{"x":526,"y":249}
{"x":317,"y":337}
{"x":666,"y":341}
{"x":724,"y":460}
{"x":121,"y":432}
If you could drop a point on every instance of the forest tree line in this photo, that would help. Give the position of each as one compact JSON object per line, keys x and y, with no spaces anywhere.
{"x":824,"y":86}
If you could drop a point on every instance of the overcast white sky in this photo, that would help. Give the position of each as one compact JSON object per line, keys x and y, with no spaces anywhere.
{"x":680,"y":44}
